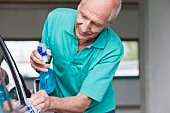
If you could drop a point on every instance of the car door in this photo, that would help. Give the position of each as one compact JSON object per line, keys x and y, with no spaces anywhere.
{"x":13,"y":83}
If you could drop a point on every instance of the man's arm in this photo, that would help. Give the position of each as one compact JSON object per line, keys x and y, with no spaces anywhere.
{"x":73,"y":104}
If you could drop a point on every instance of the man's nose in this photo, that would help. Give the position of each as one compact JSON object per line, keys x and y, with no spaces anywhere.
{"x":86,"y":26}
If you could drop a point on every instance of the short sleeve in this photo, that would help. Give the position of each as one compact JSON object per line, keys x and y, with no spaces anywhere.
{"x":53,"y":26}
{"x":100,"y":77}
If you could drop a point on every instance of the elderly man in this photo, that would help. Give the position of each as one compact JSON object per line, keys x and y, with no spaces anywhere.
{"x":86,"y":54}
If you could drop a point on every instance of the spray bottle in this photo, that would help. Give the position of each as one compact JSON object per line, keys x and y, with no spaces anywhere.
{"x":47,"y":79}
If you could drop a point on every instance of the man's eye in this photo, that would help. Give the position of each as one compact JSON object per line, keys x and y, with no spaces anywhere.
{"x":97,"y":25}
{"x":83,"y":16}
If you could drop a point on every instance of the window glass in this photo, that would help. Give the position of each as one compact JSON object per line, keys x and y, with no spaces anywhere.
{"x":7,"y":83}
{"x":8,"y":78}
{"x":129,"y":66}
{"x":21,"y":51}
{"x":12,"y":86}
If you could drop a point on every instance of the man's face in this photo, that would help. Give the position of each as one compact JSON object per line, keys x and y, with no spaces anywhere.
{"x":91,"y":20}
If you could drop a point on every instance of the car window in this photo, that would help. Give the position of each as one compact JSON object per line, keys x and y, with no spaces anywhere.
{"x":13,"y":90}
{"x":7,"y":84}
{"x":9,"y":81}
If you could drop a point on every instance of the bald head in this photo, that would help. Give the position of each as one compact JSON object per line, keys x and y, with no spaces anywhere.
{"x":112,"y":7}
{"x":93,"y":16}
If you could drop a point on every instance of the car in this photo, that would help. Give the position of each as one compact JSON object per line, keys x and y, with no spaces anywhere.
{"x":12,"y":85}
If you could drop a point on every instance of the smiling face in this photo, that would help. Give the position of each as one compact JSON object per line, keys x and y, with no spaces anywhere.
{"x":92,"y":18}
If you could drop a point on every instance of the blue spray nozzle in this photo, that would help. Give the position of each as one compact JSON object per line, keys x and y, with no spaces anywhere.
{"x":39,"y":49}
{"x":42,"y":51}
{"x":44,"y":54}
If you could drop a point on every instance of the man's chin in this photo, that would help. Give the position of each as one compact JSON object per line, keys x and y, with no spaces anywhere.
{"x":83,"y":38}
{"x":80,"y":37}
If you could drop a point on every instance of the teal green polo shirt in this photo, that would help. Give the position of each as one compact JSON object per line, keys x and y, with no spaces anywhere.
{"x":89,"y":71}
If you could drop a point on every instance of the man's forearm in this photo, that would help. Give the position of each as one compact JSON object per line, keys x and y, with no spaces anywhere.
{"x":74,"y":104}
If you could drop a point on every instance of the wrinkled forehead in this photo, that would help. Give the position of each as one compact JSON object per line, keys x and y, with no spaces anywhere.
{"x":101,"y":3}
{"x":101,"y":7}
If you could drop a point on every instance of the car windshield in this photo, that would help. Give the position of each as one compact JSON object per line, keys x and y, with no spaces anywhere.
{"x":12,"y":86}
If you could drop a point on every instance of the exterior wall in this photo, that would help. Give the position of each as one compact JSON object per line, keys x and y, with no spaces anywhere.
{"x":156,"y":63}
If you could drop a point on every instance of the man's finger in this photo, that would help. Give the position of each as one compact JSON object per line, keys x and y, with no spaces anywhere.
{"x":38,"y":101}
{"x":36,"y":57}
{"x":37,"y":67}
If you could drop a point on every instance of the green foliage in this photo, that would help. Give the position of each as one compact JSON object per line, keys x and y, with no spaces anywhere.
{"x":131,"y":50}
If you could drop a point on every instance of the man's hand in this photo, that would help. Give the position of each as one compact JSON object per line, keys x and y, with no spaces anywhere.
{"x":9,"y":106}
{"x":37,"y":62}
{"x":73,"y":104}
{"x":6,"y":105}
{"x":40,"y":100}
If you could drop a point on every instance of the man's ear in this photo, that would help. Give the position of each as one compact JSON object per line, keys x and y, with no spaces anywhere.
{"x":108,"y":24}
{"x":111,"y":21}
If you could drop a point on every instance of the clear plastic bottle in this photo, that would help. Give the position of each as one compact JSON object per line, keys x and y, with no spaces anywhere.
{"x":47,"y":79}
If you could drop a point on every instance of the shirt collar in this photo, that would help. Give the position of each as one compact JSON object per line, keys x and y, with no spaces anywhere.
{"x":70,"y":26}
{"x":101,"y":41}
